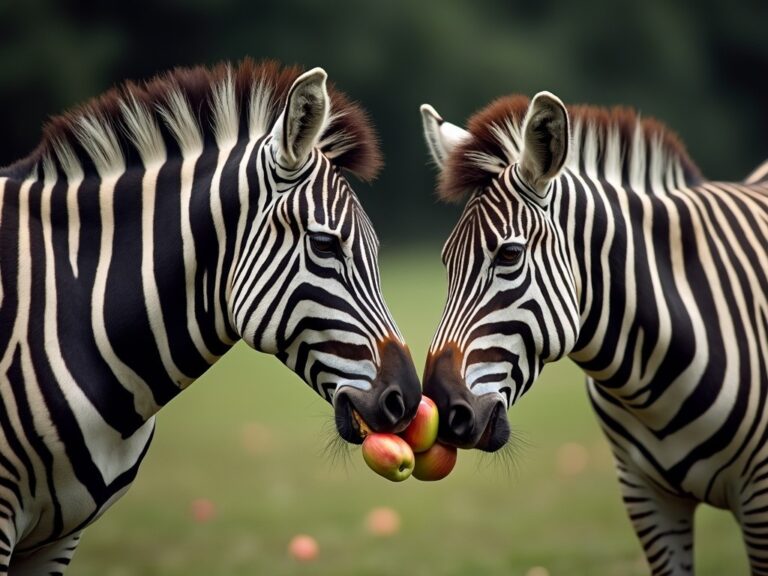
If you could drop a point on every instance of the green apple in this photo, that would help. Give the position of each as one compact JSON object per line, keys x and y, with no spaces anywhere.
{"x":421,"y":433}
{"x":436,"y":463}
{"x":388,"y":455}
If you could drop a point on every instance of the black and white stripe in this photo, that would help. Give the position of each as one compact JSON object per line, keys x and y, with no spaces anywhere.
{"x":138,"y":244}
{"x":652,"y":279}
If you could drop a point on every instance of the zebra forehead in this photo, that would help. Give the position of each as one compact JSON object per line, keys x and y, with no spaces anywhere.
{"x":617,"y":135}
{"x":336,"y":206}
{"x":204,"y":105}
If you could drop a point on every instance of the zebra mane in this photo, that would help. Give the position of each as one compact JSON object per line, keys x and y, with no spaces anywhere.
{"x":187,"y":108}
{"x":615,"y":144}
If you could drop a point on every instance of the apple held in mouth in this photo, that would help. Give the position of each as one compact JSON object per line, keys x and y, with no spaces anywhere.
{"x":435,"y":463}
{"x":421,"y":433}
{"x":388,"y":455}
{"x":414,"y":451}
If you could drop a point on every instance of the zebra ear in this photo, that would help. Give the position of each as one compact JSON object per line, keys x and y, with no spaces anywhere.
{"x":442,"y":137}
{"x":306,"y":112}
{"x":545,"y":141}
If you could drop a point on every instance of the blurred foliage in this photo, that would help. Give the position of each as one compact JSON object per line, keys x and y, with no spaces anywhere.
{"x":699,"y":66}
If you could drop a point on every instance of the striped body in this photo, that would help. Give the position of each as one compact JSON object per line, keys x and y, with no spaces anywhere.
{"x":138,"y":247}
{"x":652,"y":279}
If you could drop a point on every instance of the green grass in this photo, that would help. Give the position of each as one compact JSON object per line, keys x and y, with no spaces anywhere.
{"x":251,"y":437}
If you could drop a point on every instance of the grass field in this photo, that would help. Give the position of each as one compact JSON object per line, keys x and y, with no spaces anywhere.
{"x":252,"y":438}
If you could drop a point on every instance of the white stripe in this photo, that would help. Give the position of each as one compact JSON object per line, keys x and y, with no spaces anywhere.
{"x":148,"y":280}
{"x":191,"y":156}
{"x":758,"y":174}
{"x":217,"y":215}
{"x":73,"y":171}
{"x":23,"y":280}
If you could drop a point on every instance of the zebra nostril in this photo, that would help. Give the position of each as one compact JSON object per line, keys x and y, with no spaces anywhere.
{"x":392,"y":406}
{"x":461,"y":419}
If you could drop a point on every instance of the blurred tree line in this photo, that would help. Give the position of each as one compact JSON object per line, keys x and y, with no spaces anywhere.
{"x":701,"y":67}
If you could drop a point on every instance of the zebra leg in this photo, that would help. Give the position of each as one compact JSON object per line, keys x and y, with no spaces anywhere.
{"x":7,"y":540}
{"x":663,"y":523}
{"x":752,"y":516}
{"x":51,"y":560}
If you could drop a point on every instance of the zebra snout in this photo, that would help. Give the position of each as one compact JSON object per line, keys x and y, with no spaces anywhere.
{"x":398,"y":387}
{"x":466,"y":420}
{"x":388,"y":405}
{"x":478,"y":423}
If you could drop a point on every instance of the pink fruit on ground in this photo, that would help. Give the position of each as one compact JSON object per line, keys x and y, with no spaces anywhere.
{"x":203,"y":510}
{"x":421,"y":433}
{"x":388,"y":455}
{"x":382,"y":521}
{"x":572,"y":459}
{"x":303,"y":547}
{"x":436,"y":463}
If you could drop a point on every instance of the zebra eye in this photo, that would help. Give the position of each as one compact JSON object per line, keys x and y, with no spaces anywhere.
{"x":509,"y":254}
{"x":324,"y":245}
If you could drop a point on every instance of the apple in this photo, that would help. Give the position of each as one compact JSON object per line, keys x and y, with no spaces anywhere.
{"x":383,"y":521}
{"x":203,"y":510}
{"x":388,"y":455}
{"x":436,"y":463}
{"x":303,"y":547}
{"x":421,"y":433}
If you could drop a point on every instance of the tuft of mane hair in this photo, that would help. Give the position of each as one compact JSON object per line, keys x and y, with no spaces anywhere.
{"x":187,"y":108}
{"x":615,"y":144}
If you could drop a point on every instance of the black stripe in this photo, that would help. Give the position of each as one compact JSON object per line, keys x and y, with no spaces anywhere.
{"x":169,"y":273}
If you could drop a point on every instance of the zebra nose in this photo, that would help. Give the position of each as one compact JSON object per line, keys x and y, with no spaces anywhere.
{"x":461,"y":420}
{"x":392,"y":406}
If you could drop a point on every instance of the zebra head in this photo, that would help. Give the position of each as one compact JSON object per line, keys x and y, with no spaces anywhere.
{"x":306,"y":285}
{"x":512,"y":304}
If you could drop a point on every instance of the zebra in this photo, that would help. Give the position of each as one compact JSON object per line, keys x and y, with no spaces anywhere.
{"x":152,"y":229}
{"x":588,"y":232}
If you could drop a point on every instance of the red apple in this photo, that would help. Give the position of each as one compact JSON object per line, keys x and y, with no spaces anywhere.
{"x":383,"y":521}
{"x":421,"y":433}
{"x":203,"y":510}
{"x":388,"y":455}
{"x":303,"y":547}
{"x":436,"y":463}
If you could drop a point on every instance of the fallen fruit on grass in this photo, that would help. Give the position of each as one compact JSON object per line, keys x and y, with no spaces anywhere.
{"x":436,"y":463}
{"x":421,"y":433}
{"x":203,"y":510}
{"x":303,"y":547}
{"x":382,"y":521}
{"x":388,"y":455}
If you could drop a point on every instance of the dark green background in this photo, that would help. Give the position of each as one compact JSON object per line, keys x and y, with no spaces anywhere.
{"x":702,"y":67}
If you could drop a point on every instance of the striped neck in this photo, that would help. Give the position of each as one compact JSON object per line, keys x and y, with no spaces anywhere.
{"x":144,"y":259}
{"x":625,"y":259}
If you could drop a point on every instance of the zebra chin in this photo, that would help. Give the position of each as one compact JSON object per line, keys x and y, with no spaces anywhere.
{"x":496,"y":432}
{"x":388,"y":405}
